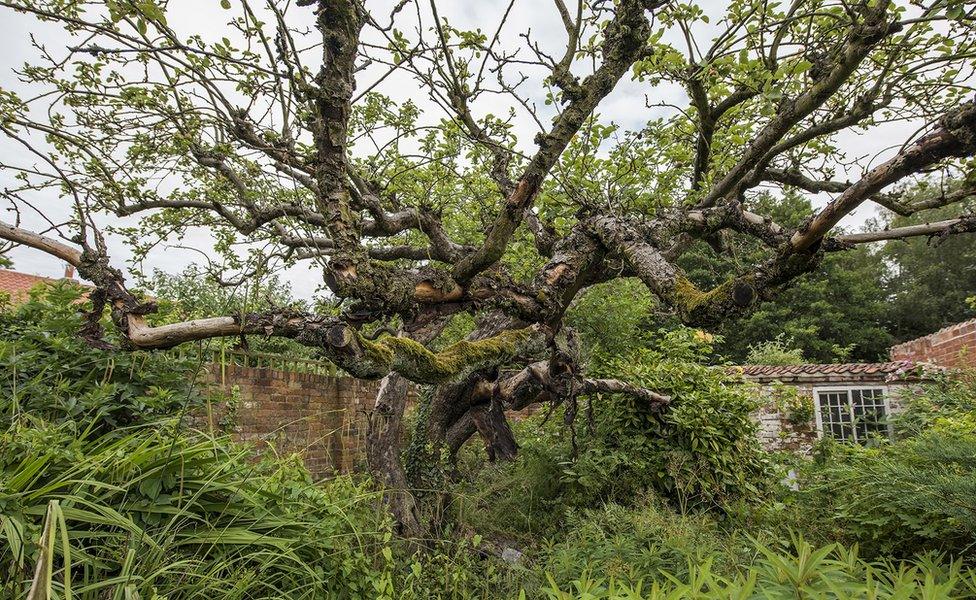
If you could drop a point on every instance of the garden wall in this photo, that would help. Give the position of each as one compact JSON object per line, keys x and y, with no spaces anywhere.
{"x":784,"y":423}
{"x":953,"y":346}
{"x":321,"y":417}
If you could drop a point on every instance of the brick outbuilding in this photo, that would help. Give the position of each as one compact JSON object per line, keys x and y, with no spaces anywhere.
{"x":850,"y":401}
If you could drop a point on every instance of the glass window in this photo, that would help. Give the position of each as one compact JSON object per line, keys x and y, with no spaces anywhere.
{"x":856,"y":415}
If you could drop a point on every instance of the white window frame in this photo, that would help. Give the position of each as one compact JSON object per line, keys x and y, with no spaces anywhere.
{"x":886,"y":397}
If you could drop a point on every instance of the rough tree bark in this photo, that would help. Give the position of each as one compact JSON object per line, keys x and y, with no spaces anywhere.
{"x":384,"y":442}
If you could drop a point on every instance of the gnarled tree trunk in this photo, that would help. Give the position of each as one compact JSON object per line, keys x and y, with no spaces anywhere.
{"x":384,"y":442}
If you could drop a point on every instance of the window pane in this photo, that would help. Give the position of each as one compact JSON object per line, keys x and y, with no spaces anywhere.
{"x":870,"y":418}
{"x":835,"y":415}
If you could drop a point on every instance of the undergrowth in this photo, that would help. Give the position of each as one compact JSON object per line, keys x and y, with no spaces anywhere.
{"x":106,"y":493}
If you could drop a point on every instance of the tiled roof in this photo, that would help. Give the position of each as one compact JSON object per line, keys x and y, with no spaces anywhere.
{"x":834,"y":372}
{"x":19,"y":284}
{"x":841,"y":368}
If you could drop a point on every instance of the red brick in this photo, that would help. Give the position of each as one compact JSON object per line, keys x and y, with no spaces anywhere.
{"x":319,"y":417}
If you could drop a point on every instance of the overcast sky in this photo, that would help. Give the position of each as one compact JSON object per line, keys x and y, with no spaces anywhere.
{"x":625,"y":106}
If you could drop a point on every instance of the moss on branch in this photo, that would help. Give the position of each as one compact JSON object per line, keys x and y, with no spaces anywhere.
{"x":415,"y":362}
{"x":701,"y":307}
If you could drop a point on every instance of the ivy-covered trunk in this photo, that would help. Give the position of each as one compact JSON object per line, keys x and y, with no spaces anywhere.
{"x":384,"y":442}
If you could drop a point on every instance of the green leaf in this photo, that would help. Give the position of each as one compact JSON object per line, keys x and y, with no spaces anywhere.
{"x":802,"y":66}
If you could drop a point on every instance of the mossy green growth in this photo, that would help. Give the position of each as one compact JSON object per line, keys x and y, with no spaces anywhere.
{"x":415,"y":362}
{"x":690,"y":300}
{"x":378,"y":359}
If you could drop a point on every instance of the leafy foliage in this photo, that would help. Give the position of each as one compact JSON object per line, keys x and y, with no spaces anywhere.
{"x":777,"y":351}
{"x":52,"y":373}
{"x":947,"y":402}
{"x":837,"y":313}
{"x":931,"y":278}
{"x":155,"y":514}
{"x":702,"y":452}
{"x":612,"y":319}
{"x":805,"y":572}
{"x":644,"y":541}
{"x":140,"y":508}
{"x":896,"y":499}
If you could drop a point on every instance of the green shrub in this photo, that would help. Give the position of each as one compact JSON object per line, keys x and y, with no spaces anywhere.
{"x":777,"y":351}
{"x":50,"y":372}
{"x":521,"y":501}
{"x":896,"y":499}
{"x":643,"y":541}
{"x":133,"y":505}
{"x":948,"y":401}
{"x":702,"y":452}
{"x":147,"y":515}
{"x":805,"y":572}
{"x":913,"y":494}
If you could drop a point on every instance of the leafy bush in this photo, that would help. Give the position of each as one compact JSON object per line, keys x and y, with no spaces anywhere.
{"x":130,"y":504}
{"x":949,"y":401}
{"x":52,"y":373}
{"x":702,"y":452}
{"x":896,"y":499}
{"x":517,"y":502}
{"x":777,"y":351}
{"x":611,"y":319}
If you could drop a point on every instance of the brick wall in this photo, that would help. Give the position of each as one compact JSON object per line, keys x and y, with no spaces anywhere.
{"x":777,"y":431}
{"x":954,"y":346}
{"x":320,"y":417}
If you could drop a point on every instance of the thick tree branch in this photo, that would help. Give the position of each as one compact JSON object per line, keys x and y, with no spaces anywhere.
{"x":936,"y":228}
{"x":955,"y":137}
{"x":625,"y":39}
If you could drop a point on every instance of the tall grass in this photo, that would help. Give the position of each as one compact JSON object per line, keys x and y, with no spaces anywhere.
{"x":148,"y":514}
